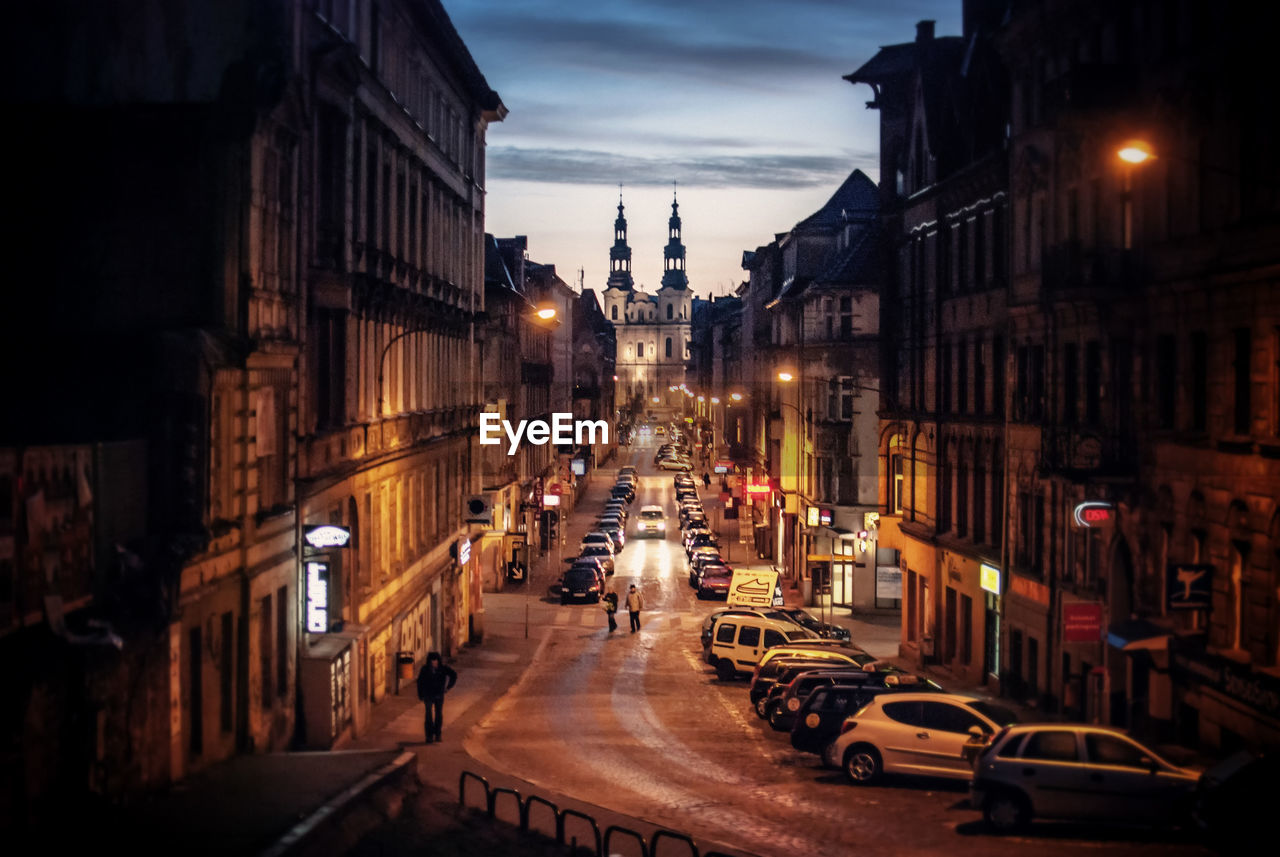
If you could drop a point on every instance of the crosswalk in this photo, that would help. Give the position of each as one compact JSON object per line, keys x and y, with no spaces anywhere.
{"x":589,"y":616}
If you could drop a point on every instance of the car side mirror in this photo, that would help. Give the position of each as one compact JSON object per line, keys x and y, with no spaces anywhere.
{"x":976,"y":733}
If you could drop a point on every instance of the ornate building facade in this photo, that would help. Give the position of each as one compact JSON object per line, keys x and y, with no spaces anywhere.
{"x":652,"y":331}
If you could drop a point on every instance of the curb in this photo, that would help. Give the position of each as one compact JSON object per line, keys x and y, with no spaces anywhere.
{"x":302,"y":833}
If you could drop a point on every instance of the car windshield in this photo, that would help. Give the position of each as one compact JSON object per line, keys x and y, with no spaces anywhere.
{"x":595,"y":550}
{"x":997,"y":714}
{"x":798,"y":635}
{"x":580,"y":575}
{"x":652,"y":515}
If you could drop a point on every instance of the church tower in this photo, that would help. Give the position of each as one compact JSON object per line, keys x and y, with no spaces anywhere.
{"x":619,"y":286}
{"x":673,"y":274}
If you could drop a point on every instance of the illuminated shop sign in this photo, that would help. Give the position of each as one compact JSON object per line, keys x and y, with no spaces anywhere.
{"x":326,"y":536}
{"x":464,"y":551}
{"x":1094,"y":513}
{"x":824,"y":517}
{"x":579,"y":467}
{"x":549,"y":500}
{"x":989,"y":578}
{"x":317,"y":597}
{"x":724,"y":467}
{"x":812,"y":518}
{"x":758,"y":488}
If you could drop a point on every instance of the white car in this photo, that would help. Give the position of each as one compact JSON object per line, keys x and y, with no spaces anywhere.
{"x":914,"y":733}
{"x":674,"y":464}
{"x":653,"y":522}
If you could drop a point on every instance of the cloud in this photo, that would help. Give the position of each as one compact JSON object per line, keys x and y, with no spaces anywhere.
{"x":586,"y":166}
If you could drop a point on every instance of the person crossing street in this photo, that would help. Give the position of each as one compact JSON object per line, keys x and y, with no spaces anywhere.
{"x":635,"y":602}
{"x":433,"y":682}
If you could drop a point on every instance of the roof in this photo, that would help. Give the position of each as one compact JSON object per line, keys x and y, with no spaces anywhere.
{"x":890,"y":61}
{"x":860,"y":262}
{"x":858,"y":195}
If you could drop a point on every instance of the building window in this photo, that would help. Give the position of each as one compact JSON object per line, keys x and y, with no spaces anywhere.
{"x":265,"y":636}
{"x":1166,"y":372}
{"x":1241,"y":365}
{"x":1199,"y":381}
{"x":614,"y":312}
{"x":670,"y":311}
{"x":1070,"y":383}
{"x":979,"y":502}
{"x":1092,"y":382}
{"x":639,"y":349}
{"x":668,"y":338}
{"x":895,"y":463}
{"x":846,"y":318}
{"x":226,"y":674}
{"x":962,"y":378}
{"x":282,"y":640}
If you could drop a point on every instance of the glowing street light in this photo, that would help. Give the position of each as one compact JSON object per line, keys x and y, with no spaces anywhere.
{"x":737,"y":397}
{"x":546,"y":311}
{"x":715,"y":400}
{"x":655,"y":400}
{"x":702,"y":398}
{"x":1136,"y":152}
{"x":785,"y":377}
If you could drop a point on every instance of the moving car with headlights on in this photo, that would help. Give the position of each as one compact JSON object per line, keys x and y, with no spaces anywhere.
{"x":652,"y":522}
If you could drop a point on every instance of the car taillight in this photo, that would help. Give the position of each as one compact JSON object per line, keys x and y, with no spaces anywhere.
{"x":848,"y":726}
{"x":793,"y":704}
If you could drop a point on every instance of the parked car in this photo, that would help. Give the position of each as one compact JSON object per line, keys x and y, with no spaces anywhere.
{"x":675,"y":464}
{"x":1078,"y":772}
{"x":623,"y":492}
{"x":805,"y":619}
{"x":739,"y":641}
{"x":597,"y":537}
{"x":789,"y":693}
{"x":820,"y":715}
{"x":704,"y":539}
{"x":652,"y":522}
{"x":714,"y":580}
{"x":767,"y":673}
{"x":913,"y":733}
{"x":709,"y":623}
{"x":616,"y":531}
{"x":604,"y":552}
{"x":1234,"y":800}
{"x":580,"y":582}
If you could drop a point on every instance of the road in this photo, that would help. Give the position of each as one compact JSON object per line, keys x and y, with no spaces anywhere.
{"x":640,"y":724}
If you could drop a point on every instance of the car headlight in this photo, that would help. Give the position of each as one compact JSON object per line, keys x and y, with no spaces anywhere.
{"x":793,"y":704}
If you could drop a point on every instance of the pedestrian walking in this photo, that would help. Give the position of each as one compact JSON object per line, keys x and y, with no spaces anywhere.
{"x":706,"y":479}
{"x":634,"y":604}
{"x":433,"y":682}
{"x":611,"y":610}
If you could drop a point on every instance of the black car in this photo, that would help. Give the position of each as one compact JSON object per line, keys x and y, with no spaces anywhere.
{"x":793,"y":688}
{"x":580,"y":583}
{"x":604,"y":555}
{"x":818,"y":719}
{"x":623,"y":492}
{"x":766,"y":677}
{"x":823,"y":629}
{"x":701,"y":540}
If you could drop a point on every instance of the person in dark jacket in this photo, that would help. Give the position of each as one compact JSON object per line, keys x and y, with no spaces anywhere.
{"x":611,"y":610}
{"x":434,"y":680}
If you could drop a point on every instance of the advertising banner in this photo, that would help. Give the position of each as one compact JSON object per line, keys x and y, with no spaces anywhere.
{"x":753,"y":588}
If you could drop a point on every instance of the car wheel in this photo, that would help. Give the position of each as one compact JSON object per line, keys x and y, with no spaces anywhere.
{"x":762,"y":707}
{"x":862,"y":765}
{"x":1006,"y":811}
{"x":725,"y":670}
{"x":775,"y":719}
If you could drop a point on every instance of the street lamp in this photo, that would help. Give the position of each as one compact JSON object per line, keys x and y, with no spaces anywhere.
{"x":1135,"y":152}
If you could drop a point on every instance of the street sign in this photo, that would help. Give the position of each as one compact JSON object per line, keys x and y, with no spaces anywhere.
{"x":724,"y":467}
{"x":1189,"y":587}
{"x":753,"y":588}
{"x":1081,"y":622}
{"x":1094,"y":513}
{"x":326,"y":536}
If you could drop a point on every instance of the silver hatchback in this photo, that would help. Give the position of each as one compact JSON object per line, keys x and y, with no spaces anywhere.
{"x":1077,"y":772}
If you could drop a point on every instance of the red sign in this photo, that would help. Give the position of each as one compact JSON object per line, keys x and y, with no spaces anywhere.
{"x":1081,"y":623}
{"x":1094,"y":513}
{"x":757,"y":488}
{"x":556,"y":488}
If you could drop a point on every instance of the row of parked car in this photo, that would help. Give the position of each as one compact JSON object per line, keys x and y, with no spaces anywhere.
{"x":872,"y":719}
{"x":584,"y":580}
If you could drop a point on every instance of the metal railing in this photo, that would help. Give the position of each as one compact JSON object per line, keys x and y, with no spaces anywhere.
{"x":600,"y":843}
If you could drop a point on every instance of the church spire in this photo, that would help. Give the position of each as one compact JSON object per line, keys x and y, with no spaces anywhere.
{"x":620,"y":252}
{"x":673,"y":274}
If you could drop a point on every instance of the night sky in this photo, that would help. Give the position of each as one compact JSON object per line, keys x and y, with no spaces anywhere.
{"x":739,"y":101}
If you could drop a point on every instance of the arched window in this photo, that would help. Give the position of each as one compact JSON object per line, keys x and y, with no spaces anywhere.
{"x":670,"y":312}
{"x":615,"y":312}
{"x":639,"y":349}
{"x":668,"y":338}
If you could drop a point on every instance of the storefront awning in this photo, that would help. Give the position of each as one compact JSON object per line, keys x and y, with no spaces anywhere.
{"x":1134,"y":635}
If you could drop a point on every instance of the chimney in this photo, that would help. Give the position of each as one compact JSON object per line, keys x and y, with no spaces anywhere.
{"x":924,"y":31}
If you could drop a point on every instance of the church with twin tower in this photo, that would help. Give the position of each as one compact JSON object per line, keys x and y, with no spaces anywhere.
{"x":652,"y":330}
